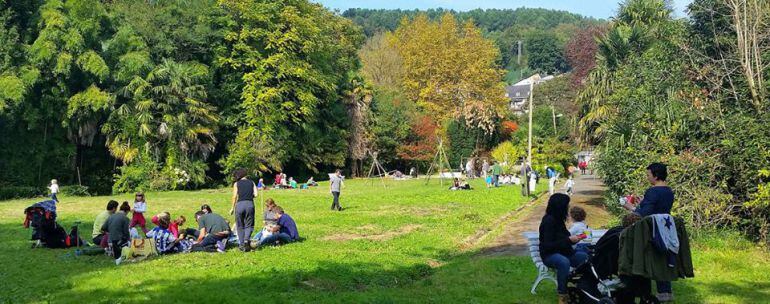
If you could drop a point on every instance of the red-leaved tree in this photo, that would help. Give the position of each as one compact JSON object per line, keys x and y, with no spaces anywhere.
{"x":581,"y":52}
{"x":421,"y":144}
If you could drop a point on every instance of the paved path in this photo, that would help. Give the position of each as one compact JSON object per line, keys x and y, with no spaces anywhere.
{"x":589,"y":192}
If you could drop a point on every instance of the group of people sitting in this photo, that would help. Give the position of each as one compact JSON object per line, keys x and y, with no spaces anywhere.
{"x":112,"y":230}
{"x":282,"y":182}
{"x":460,"y":184}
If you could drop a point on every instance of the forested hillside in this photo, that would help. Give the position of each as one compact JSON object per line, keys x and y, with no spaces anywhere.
{"x":543,"y":32}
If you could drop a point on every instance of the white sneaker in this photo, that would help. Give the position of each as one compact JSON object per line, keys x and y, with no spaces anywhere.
{"x":665,"y":297}
{"x":118,"y":261}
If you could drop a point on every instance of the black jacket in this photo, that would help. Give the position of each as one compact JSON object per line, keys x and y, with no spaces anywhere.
{"x":554,"y":237}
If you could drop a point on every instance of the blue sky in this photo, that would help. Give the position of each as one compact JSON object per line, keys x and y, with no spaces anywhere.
{"x":593,"y":8}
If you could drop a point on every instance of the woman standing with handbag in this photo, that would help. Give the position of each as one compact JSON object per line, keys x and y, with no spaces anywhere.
{"x":244,"y":191}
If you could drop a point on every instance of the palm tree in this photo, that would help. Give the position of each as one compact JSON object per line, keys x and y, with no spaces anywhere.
{"x":171,"y":120}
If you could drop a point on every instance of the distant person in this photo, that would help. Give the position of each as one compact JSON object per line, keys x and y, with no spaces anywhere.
{"x":455,"y":184}
{"x":524,"y":174}
{"x":335,"y":184}
{"x":261,"y":184}
{"x":54,"y":188}
{"x":98,"y":234}
{"x":213,"y":230}
{"x":658,"y":199}
{"x":532,"y":181}
{"x":413,"y":172}
{"x":556,"y":243}
{"x":485,"y":168}
{"x":292,"y":183}
{"x":311,"y":182}
{"x":140,"y":207}
{"x":116,"y":226}
{"x":285,"y":231}
{"x":244,"y":191}
{"x":496,"y":171}
{"x":570,"y":185}
{"x":469,"y":168}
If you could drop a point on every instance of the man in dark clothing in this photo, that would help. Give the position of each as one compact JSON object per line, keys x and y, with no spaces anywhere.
{"x":524,"y":174}
{"x":213,"y":229}
{"x":117,"y":228}
{"x":658,"y":199}
{"x":286,"y":231}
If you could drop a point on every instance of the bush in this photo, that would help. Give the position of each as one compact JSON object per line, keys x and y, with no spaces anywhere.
{"x":75,"y":190}
{"x":12,"y":192}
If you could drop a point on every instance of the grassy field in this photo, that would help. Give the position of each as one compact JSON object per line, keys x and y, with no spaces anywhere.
{"x":406,"y":243}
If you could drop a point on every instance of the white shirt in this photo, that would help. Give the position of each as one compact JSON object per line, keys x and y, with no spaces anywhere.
{"x":54,"y":188}
{"x":140,"y":207}
{"x":569,"y":184}
{"x":577,"y":228}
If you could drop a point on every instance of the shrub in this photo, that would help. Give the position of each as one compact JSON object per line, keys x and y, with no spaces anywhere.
{"x":75,"y":190}
{"x":11,"y":192}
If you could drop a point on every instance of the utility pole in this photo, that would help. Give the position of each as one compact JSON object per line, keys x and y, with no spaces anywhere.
{"x":518,"y":61}
{"x":553,"y":114}
{"x":529,"y":141}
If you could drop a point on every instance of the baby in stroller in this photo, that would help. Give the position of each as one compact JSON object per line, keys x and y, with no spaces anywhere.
{"x":597,"y":280}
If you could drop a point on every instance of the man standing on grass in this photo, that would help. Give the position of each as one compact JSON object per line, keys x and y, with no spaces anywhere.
{"x":335,"y":184}
{"x":658,"y":199}
{"x":496,"y":171}
{"x":524,"y":173}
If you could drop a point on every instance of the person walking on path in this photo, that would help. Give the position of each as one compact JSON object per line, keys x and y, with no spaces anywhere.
{"x":335,"y":184}
{"x":551,"y":174}
{"x":244,"y":191}
{"x":658,"y":199}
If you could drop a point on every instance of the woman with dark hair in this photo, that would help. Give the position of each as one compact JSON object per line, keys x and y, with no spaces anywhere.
{"x":244,"y":191}
{"x":556,"y":242}
{"x":205,"y":208}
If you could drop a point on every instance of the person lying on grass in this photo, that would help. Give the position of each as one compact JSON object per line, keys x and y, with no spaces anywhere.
{"x":284,"y":232}
{"x":213,"y":230}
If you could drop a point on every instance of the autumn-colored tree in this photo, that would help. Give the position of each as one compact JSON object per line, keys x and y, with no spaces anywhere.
{"x":380,"y":62}
{"x":450,"y":70}
{"x":581,"y":52}
{"x":421,"y":145}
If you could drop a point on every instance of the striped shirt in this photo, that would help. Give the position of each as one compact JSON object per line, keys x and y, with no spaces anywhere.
{"x":164,"y":239}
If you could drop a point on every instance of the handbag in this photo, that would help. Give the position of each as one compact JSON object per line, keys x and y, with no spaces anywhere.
{"x":142,"y":249}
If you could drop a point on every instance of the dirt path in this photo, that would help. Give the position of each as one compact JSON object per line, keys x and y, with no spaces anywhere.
{"x":589,"y":192}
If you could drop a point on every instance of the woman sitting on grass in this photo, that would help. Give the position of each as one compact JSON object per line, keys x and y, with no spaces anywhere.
{"x":284,"y":232}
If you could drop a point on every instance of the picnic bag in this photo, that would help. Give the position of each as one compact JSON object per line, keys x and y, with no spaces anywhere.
{"x":142,"y":249}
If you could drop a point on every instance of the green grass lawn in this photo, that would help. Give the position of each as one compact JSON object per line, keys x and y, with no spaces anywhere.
{"x":400,"y":244}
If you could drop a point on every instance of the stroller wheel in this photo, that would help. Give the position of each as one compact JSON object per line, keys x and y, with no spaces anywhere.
{"x":575,"y":297}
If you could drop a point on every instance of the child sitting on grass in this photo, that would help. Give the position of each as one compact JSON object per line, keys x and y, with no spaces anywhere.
{"x":579,"y":226}
{"x":165,"y":241}
{"x":174,"y":225}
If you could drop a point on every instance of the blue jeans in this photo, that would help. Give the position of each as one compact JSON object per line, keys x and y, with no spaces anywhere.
{"x":496,"y":180}
{"x":562,"y":264}
{"x":270,"y":240}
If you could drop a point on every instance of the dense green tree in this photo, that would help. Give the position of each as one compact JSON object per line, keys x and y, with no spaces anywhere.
{"x":545,"y":53}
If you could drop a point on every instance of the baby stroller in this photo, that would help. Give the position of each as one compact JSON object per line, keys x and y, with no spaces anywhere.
{"x":597,"y":280}
{"x":46,"y":232}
